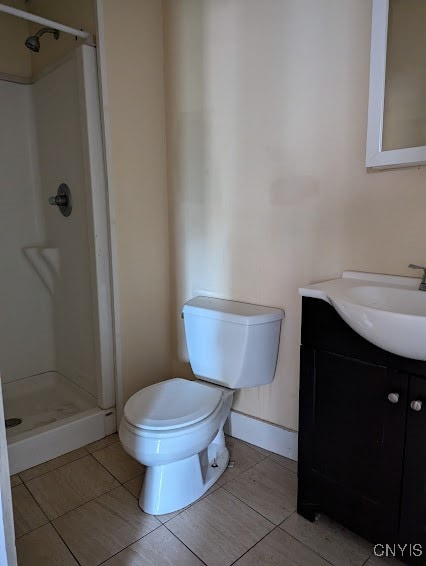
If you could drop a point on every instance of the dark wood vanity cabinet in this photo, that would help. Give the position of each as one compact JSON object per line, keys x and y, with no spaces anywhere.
{"x":362,"y":457}
{"x":413,"y":502}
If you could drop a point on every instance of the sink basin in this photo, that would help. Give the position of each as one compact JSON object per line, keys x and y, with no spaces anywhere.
{"x":391,"y":299}
{"x":386,"y":310}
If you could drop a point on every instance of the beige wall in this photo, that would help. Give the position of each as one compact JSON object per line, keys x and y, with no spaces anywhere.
{"x":267,"y":111}
{"x":266,"y":125}
{"x":133,"y":47}
{"x":15,"y":59}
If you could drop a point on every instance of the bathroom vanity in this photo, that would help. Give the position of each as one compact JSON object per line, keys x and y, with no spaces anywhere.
{"x":362,"y":430}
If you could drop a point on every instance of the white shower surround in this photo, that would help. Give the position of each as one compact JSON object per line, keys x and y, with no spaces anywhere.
{"x":83,"y":170}
{"x":26,"y":329}
{"x":59,"y":145}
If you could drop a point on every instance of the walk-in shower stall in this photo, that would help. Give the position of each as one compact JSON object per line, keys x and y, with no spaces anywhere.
{"x":56,"y":340}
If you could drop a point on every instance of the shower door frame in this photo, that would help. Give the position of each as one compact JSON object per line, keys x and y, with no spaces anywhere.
{"x":7,"y":530}
{"x":98,"y":221}
{"x":107,"y":147}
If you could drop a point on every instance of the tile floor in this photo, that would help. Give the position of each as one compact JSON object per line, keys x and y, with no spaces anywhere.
{"x":82,"y":508}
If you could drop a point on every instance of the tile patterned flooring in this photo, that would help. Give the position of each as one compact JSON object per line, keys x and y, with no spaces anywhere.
{"x":81,"y":508}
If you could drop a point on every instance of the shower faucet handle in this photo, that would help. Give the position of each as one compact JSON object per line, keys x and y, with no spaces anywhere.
{"x":62,"y":199}
{"x":58,"y":200}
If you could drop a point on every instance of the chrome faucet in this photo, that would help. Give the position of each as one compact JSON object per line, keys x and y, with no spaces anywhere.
{"x":422,"y":286}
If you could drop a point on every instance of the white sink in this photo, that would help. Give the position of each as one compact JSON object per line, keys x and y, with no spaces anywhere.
{"x":386,"y":310}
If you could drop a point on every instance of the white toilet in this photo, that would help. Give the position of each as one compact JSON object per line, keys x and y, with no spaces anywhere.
{"x":175,"y":427}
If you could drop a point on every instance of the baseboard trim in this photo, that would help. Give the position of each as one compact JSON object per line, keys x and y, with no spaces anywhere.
{"x":260,"y":433}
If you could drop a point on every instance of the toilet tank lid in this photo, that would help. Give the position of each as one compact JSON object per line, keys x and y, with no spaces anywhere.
{"x":231,"y":311}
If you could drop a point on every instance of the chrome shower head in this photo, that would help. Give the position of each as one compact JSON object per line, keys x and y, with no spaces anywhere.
{"x":33,"y":42}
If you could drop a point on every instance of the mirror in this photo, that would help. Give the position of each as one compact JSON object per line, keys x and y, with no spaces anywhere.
{"x":396,"y":133}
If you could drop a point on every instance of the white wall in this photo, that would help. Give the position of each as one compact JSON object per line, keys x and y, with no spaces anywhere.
{"x":60,"y":151}
{"x":266,"y":115}
{"x":26,"y":319}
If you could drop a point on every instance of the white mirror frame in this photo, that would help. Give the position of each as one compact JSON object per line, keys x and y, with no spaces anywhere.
{"x":375,"y":155}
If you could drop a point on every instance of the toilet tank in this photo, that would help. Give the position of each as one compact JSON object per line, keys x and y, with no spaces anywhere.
{"x":230,"y":343}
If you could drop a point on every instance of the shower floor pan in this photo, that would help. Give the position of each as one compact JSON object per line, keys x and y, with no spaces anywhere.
{"x":57,"y":417}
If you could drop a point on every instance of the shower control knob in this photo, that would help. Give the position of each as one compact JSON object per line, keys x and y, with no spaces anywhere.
{"x":62,"y":199}
{"x":58,"y":200}
{"x":416,"y":405}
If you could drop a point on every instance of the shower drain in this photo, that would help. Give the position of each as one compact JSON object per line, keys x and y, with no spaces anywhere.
{"x":12,"y":422}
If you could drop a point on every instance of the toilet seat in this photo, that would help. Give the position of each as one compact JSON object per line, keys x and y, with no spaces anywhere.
{"x":171,"y":404}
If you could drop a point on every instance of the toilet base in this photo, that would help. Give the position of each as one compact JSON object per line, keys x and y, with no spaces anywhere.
{"x":171,"y":487}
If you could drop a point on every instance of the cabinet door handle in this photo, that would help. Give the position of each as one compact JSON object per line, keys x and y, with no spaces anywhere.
{"x":416,"y":405}
{"x":393,"y":397}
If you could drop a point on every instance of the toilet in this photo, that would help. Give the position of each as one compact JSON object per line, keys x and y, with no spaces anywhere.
{"x":175,"y":427}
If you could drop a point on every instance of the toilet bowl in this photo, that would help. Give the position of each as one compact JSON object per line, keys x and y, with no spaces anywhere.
{"x":175,"y":427}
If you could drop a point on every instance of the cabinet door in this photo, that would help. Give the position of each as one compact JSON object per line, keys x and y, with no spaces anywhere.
{"x":352,"y":436}
{"x":413,"y":502}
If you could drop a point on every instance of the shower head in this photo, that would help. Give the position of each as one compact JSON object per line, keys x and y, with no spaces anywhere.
{"x":33,"y":42}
